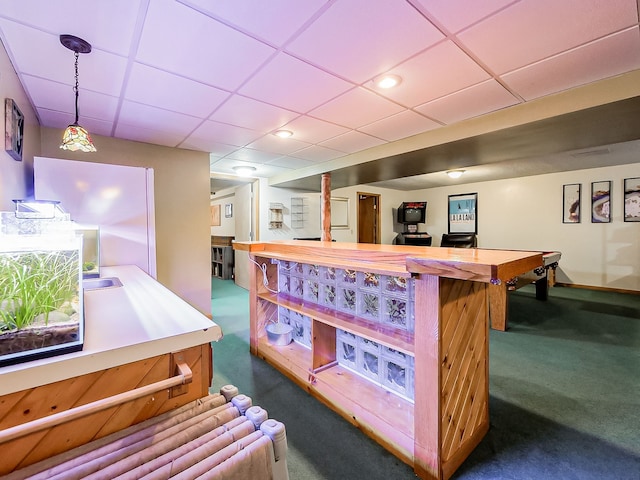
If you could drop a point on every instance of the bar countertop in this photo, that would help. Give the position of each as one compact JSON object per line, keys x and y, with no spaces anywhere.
{"x":139,"y":320}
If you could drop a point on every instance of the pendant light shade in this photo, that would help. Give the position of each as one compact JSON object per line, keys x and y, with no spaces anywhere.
{"x":76,"y":137}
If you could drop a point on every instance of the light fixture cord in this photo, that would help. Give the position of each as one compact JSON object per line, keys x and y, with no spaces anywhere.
{"x":75,"y":89}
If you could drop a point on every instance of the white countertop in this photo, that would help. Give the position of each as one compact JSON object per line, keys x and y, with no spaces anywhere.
{"x":139,"y":320}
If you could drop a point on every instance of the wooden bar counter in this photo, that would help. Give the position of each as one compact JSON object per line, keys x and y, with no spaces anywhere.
{"x":449,"y":414}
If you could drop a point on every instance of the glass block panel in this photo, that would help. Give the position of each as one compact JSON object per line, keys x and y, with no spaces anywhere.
{"x":297,"y":287}
{"x":346,"y":350}
{"x":328,"y":274}
{"x":397,"y":286}
{"x":346,"y":277}
{"x":284,"y":282}
{"x":328,"y":294}
{"x":347,"y":299}
{"x":312,"y":271}
{"x":369,"y":305}
{"x":397,"y":312}
{"x":297,"y":269}
{"x":283,"y":314}
{"x":301,"y":328}
{"x":369,"y":364}
{"x":311,"y":290}
{"x":397,"y":377}
{"x":369,"y":281}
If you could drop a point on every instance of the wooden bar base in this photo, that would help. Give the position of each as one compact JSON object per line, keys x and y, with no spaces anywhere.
{"x":449,"y":414}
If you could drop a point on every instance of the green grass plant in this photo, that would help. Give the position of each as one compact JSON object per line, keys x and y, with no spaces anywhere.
{"x":35,"y":283}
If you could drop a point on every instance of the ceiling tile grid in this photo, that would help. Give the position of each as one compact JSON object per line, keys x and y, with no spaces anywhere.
{"x":221,"y":76}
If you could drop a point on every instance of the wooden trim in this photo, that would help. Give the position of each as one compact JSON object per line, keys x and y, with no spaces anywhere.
{"x":600,"y":289}
{"x":183,"y":377}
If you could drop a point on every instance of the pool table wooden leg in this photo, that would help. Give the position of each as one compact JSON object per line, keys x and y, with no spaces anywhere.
{"x":498,"y":306}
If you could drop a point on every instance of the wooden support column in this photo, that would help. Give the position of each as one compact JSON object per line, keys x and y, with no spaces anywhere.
{"x":326,"y":207}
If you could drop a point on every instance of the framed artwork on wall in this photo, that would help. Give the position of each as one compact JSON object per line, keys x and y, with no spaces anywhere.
{"x":571,"y":203}
{"x":601,"y":202}
{"x":13,"y":129}
{"x":463,"y":213}
{"x":228,"y":210}
{"x":632,"y":199}
{"x":215,"y":215}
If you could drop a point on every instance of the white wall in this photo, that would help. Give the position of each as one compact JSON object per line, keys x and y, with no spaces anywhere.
{"x":16,"y":178}
{"x":526,"y":214}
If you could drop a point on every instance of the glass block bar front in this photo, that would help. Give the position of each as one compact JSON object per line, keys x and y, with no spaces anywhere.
{"x":380,"y":298}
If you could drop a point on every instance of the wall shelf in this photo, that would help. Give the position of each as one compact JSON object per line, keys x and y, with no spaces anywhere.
{"x":298,"y":211}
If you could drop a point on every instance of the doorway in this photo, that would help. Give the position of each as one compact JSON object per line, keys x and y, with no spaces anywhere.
{"x":368,"y":218}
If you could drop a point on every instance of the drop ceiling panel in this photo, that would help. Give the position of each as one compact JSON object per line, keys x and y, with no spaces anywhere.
{"x":352,"y":141}
{"x":292,"y":84}
{"x":275,"y":144}
{"x":178,"y":39}
{"x":248,"y":113}
{"x":359,"y":39}
{"x":146,"y":135}
{"x":60,"y":97}
{"x":471,"y":102}
{"x":253,"y":156}
{"x":150,"y":86}
{"x":606,"y":57}
{"x":208,"y":145}
{"x":455,"y":15}
{"x":217,"y":132}
{"x":144,"y":116}
{"x":94,"y":21}
{"x":347,"y":108}
{"x":399,"y":126}
{"x":266,"y":20}
{"x":99,"y":71}
{"x":441,"y":70}
{"x":312,"y":130}
{"x":318,"y":154}
{"x":291,"y":162}
{"x":531,"y":30}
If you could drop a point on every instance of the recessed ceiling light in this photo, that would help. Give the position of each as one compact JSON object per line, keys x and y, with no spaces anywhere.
{"x":283,"y":133}
{"x":387,"y":81}
{"x":244,"y":170}
{"x":455,"y":173}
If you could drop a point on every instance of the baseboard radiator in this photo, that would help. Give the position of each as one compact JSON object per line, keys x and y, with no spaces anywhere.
{"x":222,"y":436}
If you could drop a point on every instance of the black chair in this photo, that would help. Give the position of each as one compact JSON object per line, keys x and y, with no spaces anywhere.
{"x":459,"y":240}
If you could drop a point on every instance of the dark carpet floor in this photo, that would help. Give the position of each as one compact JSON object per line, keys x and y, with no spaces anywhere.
{"x":564,"y":394}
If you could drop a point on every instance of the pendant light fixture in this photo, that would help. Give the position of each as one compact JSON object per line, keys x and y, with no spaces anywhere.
{"x":75,"y":137}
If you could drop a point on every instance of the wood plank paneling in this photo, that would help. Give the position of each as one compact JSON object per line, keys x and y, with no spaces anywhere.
{"x":21,"y":407}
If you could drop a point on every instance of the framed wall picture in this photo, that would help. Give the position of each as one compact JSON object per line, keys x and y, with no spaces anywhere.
{"x":215,"y":215}
{"x":632,"y":199}
{"x":601,"y":202}
{"x":463,"y":213}
{"x":13,"y":129}
{"x":571,"y":203}
{"x":228,"y":210}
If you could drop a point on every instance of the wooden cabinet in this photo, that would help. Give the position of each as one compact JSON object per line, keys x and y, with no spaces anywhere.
{"x":222,"y":261}
{"x":436,"y":427}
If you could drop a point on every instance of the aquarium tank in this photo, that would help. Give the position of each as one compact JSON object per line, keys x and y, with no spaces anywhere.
{"x":41,"y":298}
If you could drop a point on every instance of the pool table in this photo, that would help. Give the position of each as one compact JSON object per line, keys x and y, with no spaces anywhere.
{"x":543,"y":277}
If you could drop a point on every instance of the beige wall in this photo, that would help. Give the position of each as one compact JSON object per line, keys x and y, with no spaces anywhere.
{"x":15,"y":177}
{"x":526,"y":213}
{"x":181,"y":179}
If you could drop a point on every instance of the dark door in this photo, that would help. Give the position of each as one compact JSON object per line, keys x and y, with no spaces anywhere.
{"x":368,"y":218}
